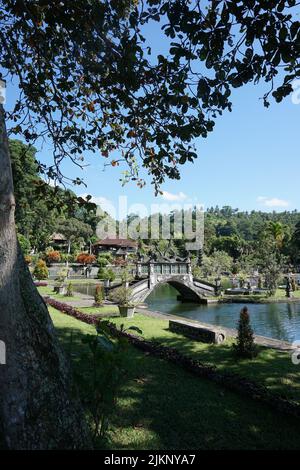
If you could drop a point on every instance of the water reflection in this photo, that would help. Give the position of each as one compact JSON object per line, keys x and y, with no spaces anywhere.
{"x":277,"y":320}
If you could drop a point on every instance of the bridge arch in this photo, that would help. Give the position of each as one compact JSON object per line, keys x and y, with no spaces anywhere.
{"x":186,"y":289}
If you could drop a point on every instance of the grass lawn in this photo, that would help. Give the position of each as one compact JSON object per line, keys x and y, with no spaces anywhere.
{"x":105,"y":310}
{"x":161,"y":406}
{"x":280,"y":293}
{"x":272,"y":368}
{"x":48,"y":290}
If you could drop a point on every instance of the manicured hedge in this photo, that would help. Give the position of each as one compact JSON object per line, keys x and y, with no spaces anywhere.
{"x":73,"y":312}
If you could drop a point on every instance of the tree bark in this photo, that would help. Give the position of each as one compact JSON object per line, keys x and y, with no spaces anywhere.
{"x":37,"y":410}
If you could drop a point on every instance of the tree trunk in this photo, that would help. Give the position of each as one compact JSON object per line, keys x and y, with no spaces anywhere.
{"x":36,"y":407}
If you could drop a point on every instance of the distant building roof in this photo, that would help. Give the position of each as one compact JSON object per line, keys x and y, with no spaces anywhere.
{"x":117,"y":242}
{"x":58,"y":236}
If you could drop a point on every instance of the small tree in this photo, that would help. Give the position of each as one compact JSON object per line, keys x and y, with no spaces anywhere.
{"x":245,"y":346}
{"x":121,"y":296}
{"x":260,"y":283}
{"x":104,"y":259}
{"x":24,"y":244}
{"x":85,"y":258}
{"x":99,"y":297}
{"x":106,"y":274}
{"x":70,"y":290}
{"x":41,"y":271}
{"x":53,"y":256}
{"x":61,"y":277}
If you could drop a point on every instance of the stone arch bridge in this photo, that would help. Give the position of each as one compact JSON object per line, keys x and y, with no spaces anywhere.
{"x":176,"y":273}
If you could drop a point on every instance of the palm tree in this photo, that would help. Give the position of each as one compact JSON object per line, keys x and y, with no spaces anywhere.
{"x":277,"y":232}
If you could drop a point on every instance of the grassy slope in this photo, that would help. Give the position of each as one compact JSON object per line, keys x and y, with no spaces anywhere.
{"x":272,"y":368}
{"x":161,"y":406}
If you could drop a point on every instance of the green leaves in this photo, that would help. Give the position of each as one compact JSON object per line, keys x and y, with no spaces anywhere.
{"x":90,"y":81}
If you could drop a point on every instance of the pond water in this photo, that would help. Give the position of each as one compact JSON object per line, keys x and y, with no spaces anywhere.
{"x":277,"y":320}
{"x":88,"y":289}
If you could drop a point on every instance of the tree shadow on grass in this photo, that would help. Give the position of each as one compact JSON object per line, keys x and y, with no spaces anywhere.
{"x":162,"y":406}
{"x":272,"y":368}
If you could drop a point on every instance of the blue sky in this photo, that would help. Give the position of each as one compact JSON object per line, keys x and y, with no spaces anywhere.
{"x":250,"y":161}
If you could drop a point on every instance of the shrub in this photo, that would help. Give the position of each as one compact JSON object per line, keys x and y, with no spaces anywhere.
{"x":53,"y":256}
{"x":126,"y":276}
{"x":104,"y":259}
{"x":106,"y":274}
{"x":120,"y":262}
{"x":121,"y":296}
{"x":24,"y":244}
{"x":41,"y":271}
{"x":245,"y":346}
{"x":61,"y":276}
{"x":99,"y":297}
{"x":226,"y":283}
{"x":28,"y":259}
{"x":260,"y":283}
{"x":70,"y":290}
{"x":197,"y":272}
{"x":64,"y":257}
{"x":85,"y":258}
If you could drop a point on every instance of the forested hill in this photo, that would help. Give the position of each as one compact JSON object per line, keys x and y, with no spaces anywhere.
{"x":42,"y":210}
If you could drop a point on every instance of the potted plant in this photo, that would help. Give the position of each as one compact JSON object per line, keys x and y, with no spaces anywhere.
{"x":122,"y":297}
{"x":60,"y":287}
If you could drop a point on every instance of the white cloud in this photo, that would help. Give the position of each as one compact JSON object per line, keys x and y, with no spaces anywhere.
{"x":173,"y":197}
{"x":272,"y":202}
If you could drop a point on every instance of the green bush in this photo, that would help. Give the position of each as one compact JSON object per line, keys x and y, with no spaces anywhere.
{"x":24,"y":244}
{"x":41,"y":271}
{"x":226,"y":283}
{"x":70,"y":290}
{"x":121,"y":296}
{"x":99,"y":297}
{"x":106,"y":274}
{"x":245,"y":346}
{"x":104,"y":259}
{"x":61,"y":276}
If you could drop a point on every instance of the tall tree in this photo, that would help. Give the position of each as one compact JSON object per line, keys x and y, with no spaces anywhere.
{"x":74,"y":229}
{"x":87,"y":82}
{"x":276,"y":232}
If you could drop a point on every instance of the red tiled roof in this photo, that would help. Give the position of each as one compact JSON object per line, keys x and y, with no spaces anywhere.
{"x":120,"y":242}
